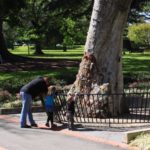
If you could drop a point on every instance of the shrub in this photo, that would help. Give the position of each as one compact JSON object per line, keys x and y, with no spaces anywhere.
{"x":5,"y":96}
{"x":12,"y":104}
{"x":140,"y":34}
{"x":13,"y":85}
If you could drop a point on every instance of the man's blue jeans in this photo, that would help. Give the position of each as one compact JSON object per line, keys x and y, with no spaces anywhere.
{"x":26,"y":109}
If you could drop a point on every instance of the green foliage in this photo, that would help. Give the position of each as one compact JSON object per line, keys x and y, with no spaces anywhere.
{"x":4,"y":96}
{"x":9,"y":7}
{"x":139,"y":11}
{"x":13,"y":81}
{"x":74,"y":31}
{"x":13,"y":85}
{"x":68,"y":31}
{"x":41,"y":21}
{"x":12,"y":104}
{"x":140,"y":34}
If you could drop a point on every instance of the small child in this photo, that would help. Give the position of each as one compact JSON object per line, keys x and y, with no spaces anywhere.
{"x":70,"y":111}
{"x":49,"y":105}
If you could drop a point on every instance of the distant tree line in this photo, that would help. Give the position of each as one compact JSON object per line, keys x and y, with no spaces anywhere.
{"x":47,"y":23}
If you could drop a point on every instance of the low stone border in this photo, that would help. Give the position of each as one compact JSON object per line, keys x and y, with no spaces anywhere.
{"x":18,"y":110}
{"x":133,"y":134}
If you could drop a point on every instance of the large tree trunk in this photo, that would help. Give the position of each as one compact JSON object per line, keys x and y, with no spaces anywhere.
{"x":102,"y":61}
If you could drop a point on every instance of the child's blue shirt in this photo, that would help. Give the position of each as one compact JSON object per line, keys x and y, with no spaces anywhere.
{"x":49,"y":102}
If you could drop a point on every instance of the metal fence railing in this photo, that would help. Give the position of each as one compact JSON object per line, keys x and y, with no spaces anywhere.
{"x":132,"y":106}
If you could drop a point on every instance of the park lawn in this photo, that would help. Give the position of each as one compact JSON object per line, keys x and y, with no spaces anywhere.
{"x":135,"y":65}
{"x":59,"y":76}
{"x":72,"y":53}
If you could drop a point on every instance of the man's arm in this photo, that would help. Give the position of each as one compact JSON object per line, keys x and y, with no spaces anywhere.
{"x":43,"y":103}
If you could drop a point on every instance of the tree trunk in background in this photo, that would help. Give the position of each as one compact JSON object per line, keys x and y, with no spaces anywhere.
{"x":5,"y":55}
{"x":38,"y":50}
{"x":102,"y":61}
{"x":3,"y":49}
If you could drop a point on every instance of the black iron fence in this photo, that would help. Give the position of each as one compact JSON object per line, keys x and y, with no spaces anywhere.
{"x":132,"y":106}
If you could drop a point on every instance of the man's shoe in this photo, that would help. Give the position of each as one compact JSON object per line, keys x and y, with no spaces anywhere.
{"x":26,"y":126}
{"x":34,"y":125}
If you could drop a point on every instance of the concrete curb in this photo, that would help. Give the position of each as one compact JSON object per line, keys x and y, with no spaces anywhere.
{"x":133,"y":134}
{"x":98,"y":140}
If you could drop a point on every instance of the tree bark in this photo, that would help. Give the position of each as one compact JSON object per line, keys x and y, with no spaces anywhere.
{"x":102,"y":61}
{"x":5,"y":55}
{"x":3,"y":49}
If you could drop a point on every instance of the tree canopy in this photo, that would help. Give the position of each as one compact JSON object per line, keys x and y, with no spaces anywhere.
{"x":66,"y":21}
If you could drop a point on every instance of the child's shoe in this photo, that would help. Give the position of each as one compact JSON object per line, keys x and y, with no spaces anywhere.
{"x":34,"y":125}
{"x":47,"y":124}
{"x":53,"y":126}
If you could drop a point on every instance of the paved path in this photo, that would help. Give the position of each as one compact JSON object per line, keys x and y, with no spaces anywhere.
{"x":12,"y":137}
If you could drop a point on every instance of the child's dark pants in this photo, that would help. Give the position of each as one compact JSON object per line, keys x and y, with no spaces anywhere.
{"x":50,"y":117}
{"x":70,"y":118}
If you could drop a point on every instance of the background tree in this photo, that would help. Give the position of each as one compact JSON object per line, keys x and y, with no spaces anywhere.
{"x":43,"y":17}
{"x":139,"y":11}
{"x":7,"y":9}
{"x":74,"y":32}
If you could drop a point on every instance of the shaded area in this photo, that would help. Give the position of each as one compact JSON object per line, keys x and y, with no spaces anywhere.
{"x":37,"y":64}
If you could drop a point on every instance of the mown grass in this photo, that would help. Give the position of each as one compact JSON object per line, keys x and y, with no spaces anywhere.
{"x":135,"y":65}
{"x":75,"y":53}
{"x":63,"y":76}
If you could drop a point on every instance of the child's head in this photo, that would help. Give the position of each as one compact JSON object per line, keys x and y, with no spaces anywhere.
{"x":51,"y":90}
{"x":70,"y":97}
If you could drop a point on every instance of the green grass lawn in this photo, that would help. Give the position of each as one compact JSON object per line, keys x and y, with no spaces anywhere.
{"x":63,"y":76}
{"x":75,"y":53}
{"x":135,"y":65}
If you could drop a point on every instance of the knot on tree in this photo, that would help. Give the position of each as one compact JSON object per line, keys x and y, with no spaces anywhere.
{"x":92,"y":96}
{"x":100,"y":100}
{"x":84,"y":78}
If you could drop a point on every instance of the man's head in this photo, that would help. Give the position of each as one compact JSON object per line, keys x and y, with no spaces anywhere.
{"x":47,"y":80}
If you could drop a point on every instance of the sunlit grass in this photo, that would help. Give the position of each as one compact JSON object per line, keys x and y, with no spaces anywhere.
{"x":135,"y":65}
{"x":75,"y":53}
{"x":66,"y":74}
{"x":142,"y":141}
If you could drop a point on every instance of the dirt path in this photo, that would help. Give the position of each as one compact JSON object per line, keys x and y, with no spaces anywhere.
{"x":38,"y":64}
